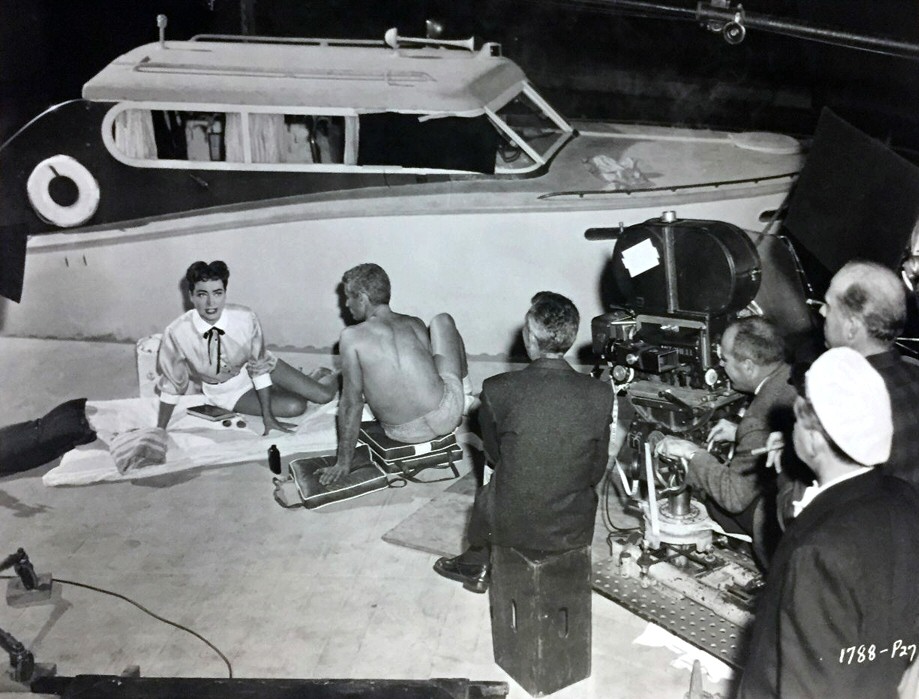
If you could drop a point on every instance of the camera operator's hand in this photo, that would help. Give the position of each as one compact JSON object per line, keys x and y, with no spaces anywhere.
{"x":676,"y":448}
{"x":724,"y":431}
{"x":775,"y":442}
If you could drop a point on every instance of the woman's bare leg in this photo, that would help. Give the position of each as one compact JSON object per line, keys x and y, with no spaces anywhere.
{"x":291,"y":391}
{"x":318,"y":387}
{"x":283,"y":403}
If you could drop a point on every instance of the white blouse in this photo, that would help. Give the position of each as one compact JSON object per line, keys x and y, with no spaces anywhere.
{"x":192,"y":348}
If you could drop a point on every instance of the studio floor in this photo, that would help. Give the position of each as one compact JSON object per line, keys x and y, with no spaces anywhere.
{"x":282,"y":593}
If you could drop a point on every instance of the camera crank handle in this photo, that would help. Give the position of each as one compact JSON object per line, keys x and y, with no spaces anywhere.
{"x":668,"y":395}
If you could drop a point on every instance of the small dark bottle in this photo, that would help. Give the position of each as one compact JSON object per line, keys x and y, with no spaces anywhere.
{"x":274,"y":460}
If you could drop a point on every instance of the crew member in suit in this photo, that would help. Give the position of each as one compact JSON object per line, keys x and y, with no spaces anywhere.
{"x":865,"y":309}
{"x":838,"y":613}
{"x":546,"y":432}
{"x":740,"y":495}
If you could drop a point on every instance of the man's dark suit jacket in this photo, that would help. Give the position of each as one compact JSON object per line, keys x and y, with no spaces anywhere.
{"x":741,"y":495}
{"x":846,"y":574}
{"x":735,"y":486}
{"x":546,"y":431}
{"x":902,"y":381}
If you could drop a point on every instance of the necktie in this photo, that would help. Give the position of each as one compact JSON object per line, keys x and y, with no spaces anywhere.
{"x":209,"y":335}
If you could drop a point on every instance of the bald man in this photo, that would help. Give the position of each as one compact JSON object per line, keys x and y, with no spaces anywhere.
{"x":865,"y":310}
{"x":739,"y":495}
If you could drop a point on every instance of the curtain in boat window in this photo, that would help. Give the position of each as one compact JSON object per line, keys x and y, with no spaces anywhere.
{"x":233,"y":139}
{"x":134,"y":134}
{"x":266,"y":138}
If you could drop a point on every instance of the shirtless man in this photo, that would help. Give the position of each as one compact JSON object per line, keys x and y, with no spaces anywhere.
{"x":412,"y":377}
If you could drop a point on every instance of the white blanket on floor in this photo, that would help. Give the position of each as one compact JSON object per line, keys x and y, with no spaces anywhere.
{"x":193,"y":442}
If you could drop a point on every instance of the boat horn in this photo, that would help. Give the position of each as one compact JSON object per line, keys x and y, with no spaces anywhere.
{"x":161,"y":22}
{"x":393,"y":40}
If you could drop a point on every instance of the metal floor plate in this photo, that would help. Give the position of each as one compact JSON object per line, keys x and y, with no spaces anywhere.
{"x":681,"y":616}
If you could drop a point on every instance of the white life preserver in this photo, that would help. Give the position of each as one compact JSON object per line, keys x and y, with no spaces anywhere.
{"x":49,"y":210}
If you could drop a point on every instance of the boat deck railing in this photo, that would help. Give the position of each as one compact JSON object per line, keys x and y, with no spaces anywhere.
{"x":236,"y":38}
{"x":585,"y":193}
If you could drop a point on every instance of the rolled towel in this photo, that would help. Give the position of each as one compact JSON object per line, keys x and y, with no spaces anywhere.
{"x":135,"y":449}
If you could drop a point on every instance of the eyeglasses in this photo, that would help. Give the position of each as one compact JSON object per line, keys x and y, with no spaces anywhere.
{"x":819,"y":306}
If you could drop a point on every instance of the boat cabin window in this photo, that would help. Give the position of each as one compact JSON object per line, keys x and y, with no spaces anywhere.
{"x":514,"y":139}
{"x":191,"y":136}
{"x":533,"y":125}
{"x":413,"y":141}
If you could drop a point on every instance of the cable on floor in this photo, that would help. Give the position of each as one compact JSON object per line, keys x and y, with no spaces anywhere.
{"x":145,"y":611}
{"x":605,"y":495}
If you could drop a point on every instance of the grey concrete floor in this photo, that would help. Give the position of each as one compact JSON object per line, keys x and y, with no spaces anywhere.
{"x":282,"y":593}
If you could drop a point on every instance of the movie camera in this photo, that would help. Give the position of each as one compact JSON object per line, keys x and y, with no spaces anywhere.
{"x":675,"y":285}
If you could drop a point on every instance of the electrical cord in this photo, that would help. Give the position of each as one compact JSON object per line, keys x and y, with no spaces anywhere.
{"x":608,"y":477}
{"x":145,"y":611}
{"x":607,"y":517}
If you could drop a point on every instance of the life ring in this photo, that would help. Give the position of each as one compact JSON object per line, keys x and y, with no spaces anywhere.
{"x":38,"y":188}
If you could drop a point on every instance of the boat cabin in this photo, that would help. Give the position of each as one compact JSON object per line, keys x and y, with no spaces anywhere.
{"x":324,"y":105}
{"x":312,"y":155}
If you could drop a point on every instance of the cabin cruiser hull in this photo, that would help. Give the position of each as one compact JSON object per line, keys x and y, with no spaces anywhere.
{"x":128,"y":193}
{"x":479,"y":255}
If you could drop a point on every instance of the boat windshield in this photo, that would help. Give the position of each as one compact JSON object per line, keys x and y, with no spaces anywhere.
{"x":531,"y":132}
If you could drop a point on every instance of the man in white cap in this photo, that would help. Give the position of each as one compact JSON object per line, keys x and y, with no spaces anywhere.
{"x":841,"y":600}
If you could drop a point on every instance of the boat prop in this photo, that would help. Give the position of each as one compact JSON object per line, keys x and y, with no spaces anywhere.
{"x":393,"y":40}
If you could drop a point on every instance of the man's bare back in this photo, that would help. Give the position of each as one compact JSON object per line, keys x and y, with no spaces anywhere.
{"x":399,"y":375}
{"x":410,"y":375}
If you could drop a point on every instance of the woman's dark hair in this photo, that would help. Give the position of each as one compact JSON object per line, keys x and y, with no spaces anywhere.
{"x":207,"y":272}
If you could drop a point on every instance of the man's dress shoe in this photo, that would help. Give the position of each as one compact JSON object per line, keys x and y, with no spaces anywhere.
{"x":475,"y":577}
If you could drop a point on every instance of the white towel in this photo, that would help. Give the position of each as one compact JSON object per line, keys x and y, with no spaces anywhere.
{"x":193,"y":442}
{"x":135,"y":449}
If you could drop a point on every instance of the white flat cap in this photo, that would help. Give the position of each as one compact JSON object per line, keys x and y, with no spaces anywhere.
{"x":852,"y":404}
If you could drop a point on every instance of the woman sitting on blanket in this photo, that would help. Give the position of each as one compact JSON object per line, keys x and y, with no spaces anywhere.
{"x":221,"y":345}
